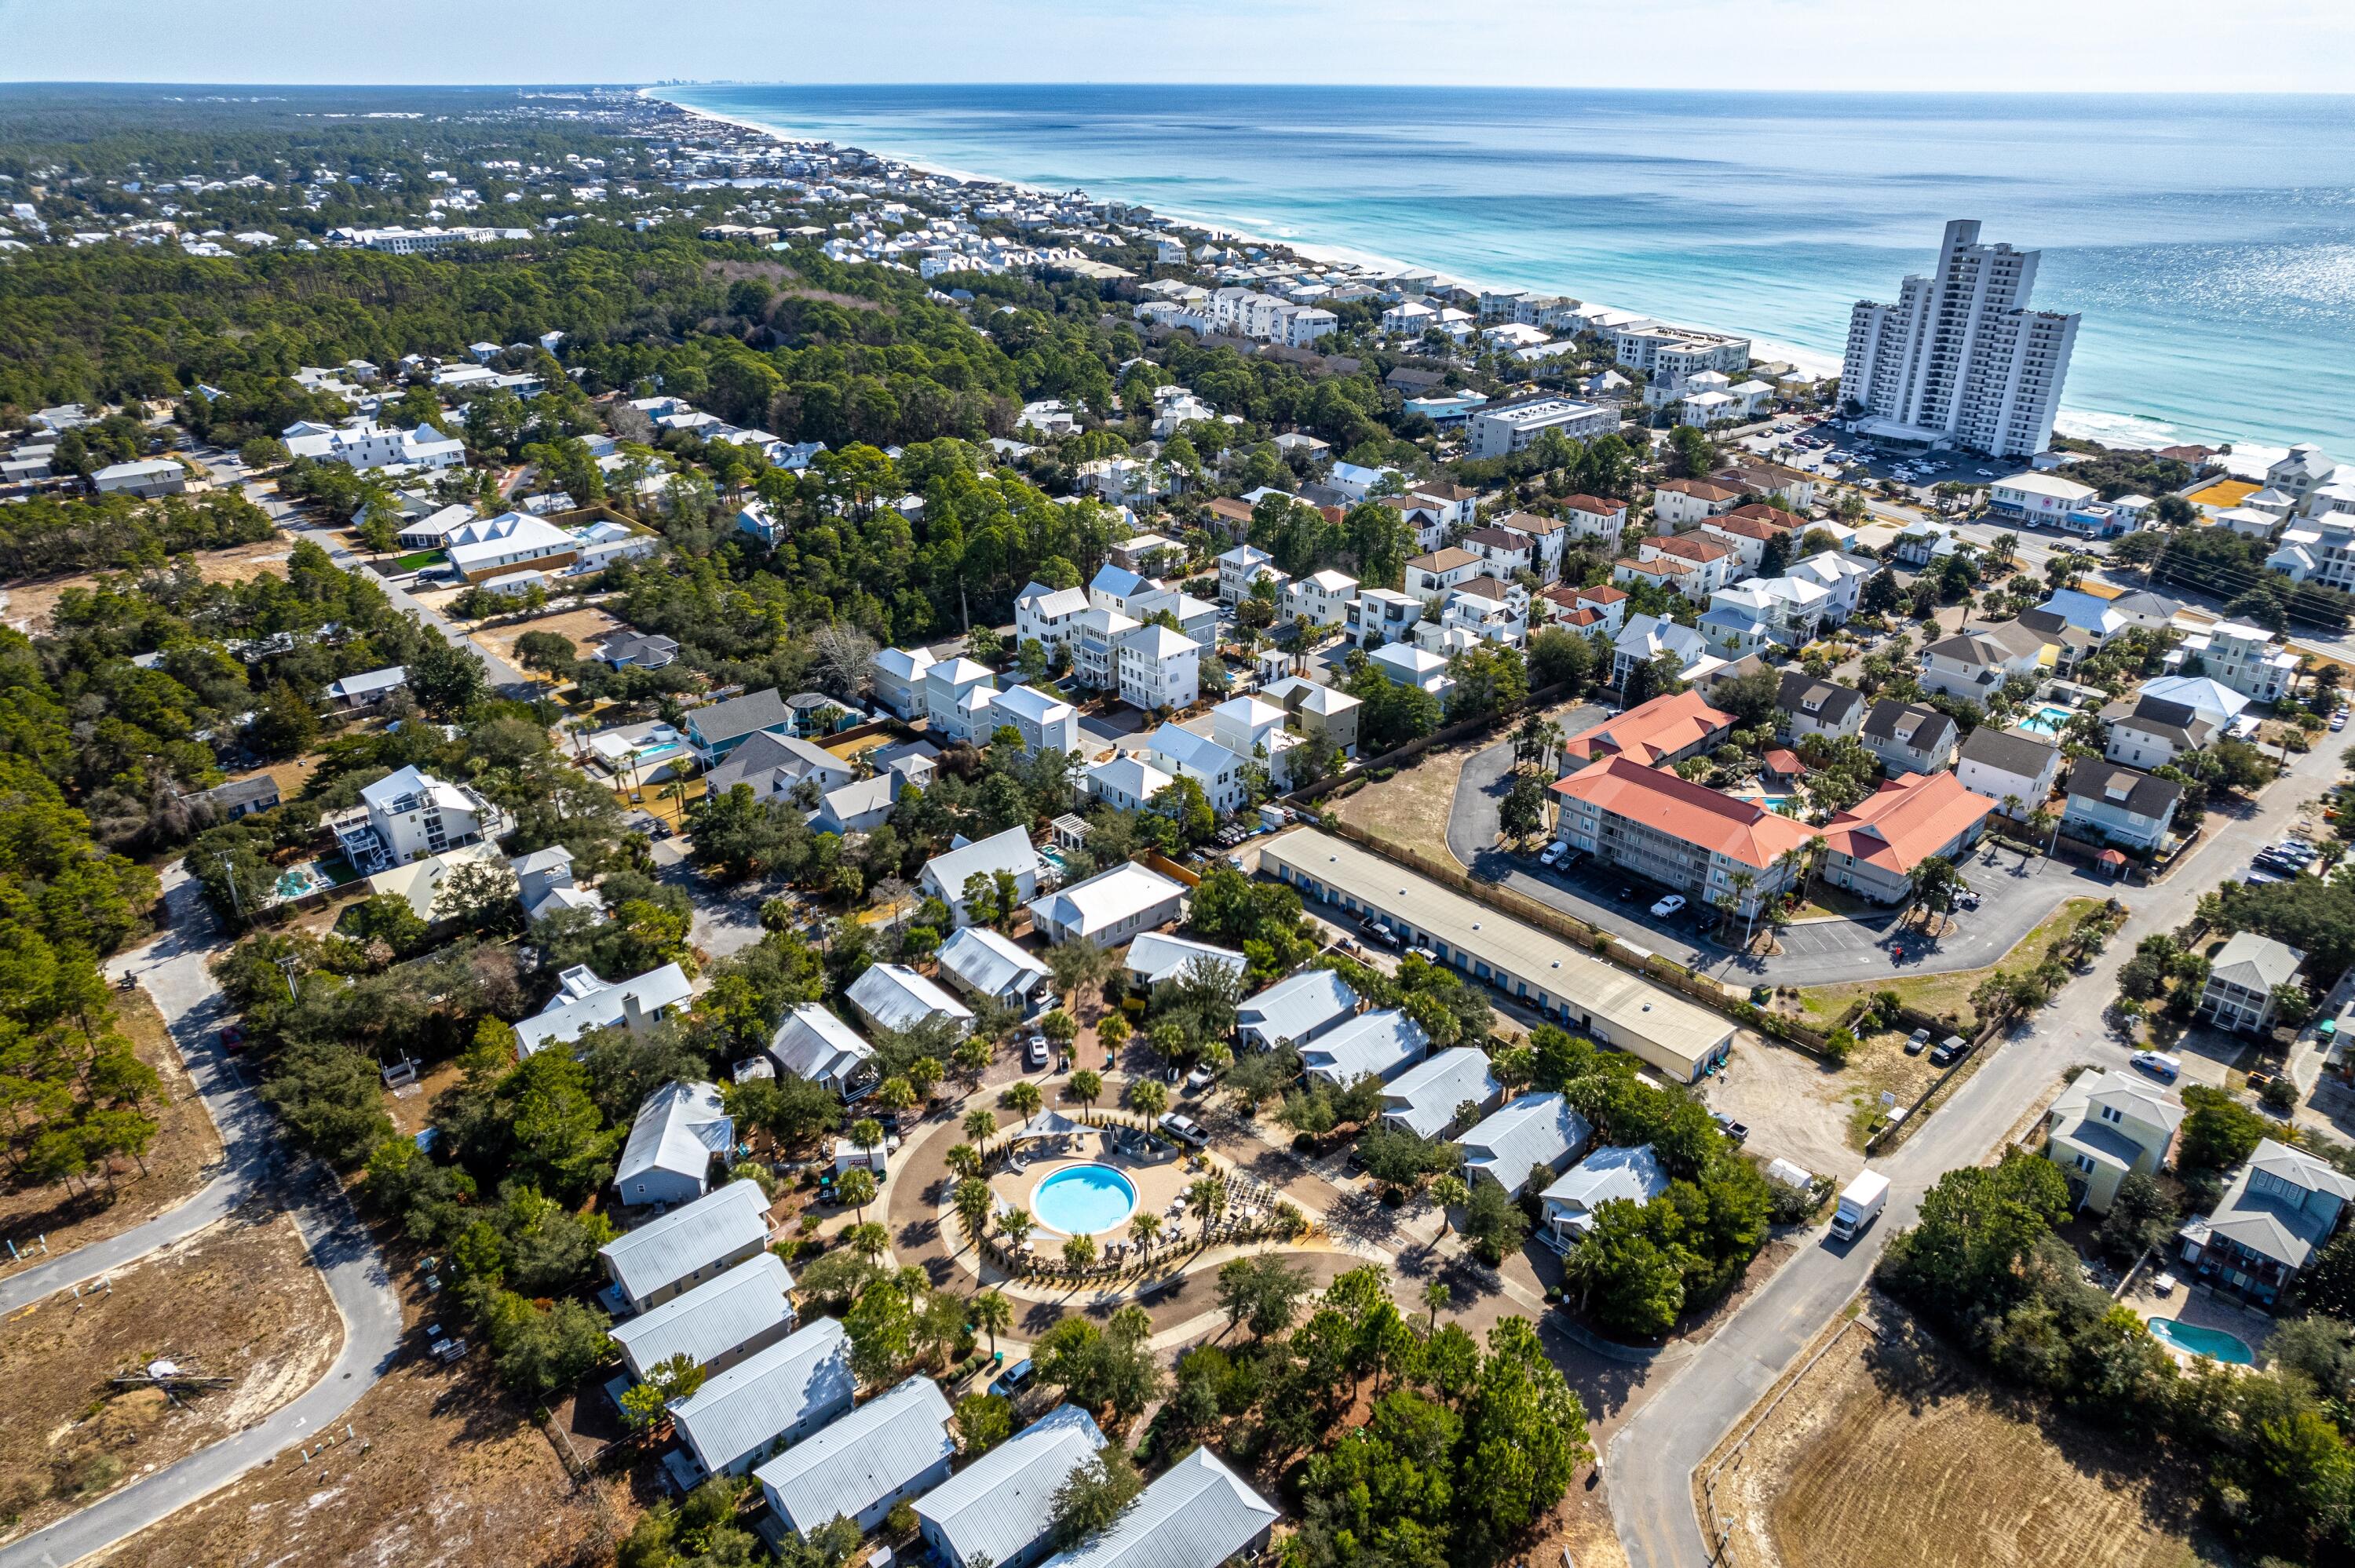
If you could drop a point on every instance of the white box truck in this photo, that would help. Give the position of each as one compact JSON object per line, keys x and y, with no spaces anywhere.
{"x":1860,"y":1205}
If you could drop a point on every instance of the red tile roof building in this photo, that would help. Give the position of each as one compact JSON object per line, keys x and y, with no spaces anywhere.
{"x":1656,"y":733}
{"x":1712,"y":847}
{"x":1875,"y":848}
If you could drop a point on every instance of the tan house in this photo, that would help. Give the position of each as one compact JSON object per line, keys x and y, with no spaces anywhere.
{"x":2105,"y":1125}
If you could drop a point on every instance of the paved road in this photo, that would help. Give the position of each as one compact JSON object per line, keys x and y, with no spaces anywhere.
{"x":2017,"y":892}
{"x":174,"y":969}
{"x":1654,"y":1457}
{"x":501,"y":674}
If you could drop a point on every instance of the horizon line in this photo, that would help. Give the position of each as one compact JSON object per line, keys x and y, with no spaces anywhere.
{"x":1480,"y":86}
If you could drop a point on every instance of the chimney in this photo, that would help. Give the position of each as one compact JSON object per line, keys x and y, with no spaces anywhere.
{"x":633,"y":1015}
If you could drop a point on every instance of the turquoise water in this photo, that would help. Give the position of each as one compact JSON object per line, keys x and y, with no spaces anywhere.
{"x":2209,"y":241}
{"x":2046,"y":720}
{"x":2213,"y":1343}
{"x":1083,"y":1200}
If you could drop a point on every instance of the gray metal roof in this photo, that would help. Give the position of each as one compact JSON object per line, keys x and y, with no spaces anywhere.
{"x":1197,"y":1514}
{"x":687,"y":1238}
{"x":1534,"y":1129}
{"x":805,"y":1374}
{"x":814,"y":1043}
{"x":740,"y":715}
{"x":1423,"y":1098}
{"x":678,"y":1129}
{"x":1297,"y":1008}
{"x":990,"y":963}
{"x":896,"y":996}
{"x":713,"y":1318}
{"x":999,"y":1506}
{"x":869,"y":1454}
{"x":1377,"y":1042}
{"x":2021,"y":755}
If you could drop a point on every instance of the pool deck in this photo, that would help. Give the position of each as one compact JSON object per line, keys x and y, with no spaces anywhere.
{"x":2201,"y":1307}
{"x":1158,"y":1186}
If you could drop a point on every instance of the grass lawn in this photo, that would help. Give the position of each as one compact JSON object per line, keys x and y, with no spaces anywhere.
{"x":1949,"y":993}
{"x":411,"y":563}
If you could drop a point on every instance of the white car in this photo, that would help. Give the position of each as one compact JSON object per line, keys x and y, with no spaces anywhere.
{"x":1553,"y":854}
{"x":1669,"y":906}
{"x":1185,"y":1130}
{"x":2158,"y":1064}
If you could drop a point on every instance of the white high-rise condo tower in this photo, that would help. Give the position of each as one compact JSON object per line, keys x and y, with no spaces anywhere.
{"x":1960,"y":356}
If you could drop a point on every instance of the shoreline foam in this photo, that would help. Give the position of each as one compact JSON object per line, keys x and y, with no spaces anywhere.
{"x":2110,"y":427}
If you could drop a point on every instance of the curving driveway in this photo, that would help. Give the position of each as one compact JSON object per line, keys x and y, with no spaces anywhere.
{"x":1654,"y":1457}
{"x":174,"y":969}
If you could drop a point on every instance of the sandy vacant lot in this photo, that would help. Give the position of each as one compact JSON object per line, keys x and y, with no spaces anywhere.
{"x":237,"y":1299}
{"x":27,"y":605}
{"x":584,"y":627}
{"x":1889,"y":1454}
{"x":1411,"y":809}
{"x":184,"y":1156}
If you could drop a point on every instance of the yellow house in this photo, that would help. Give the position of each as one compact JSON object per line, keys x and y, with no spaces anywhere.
{"x":2105,"y":1125}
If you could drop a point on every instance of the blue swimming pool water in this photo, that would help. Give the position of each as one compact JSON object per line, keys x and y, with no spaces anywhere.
{"x":2046,"y":720}
{"x":1083,"y":1200}
{"x":2213,"y":1343}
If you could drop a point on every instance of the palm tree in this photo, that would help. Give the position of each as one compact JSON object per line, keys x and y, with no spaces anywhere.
{"x":1549,"y":742}
{"x":1448,"y":1193}
{"x":856,"y":1188}
{"x":980,"y":1126}
{"x":896,"y":1094}
{"x":867,"y":1134}
{"x":964,"y":1160}
{"x":1208,"y":1197}
{"x":1080,"y":1251}
{"x":973,"y":1200}
{"x":1147,"y":1229}
{"x":1743,"y":880}
{"x":1085,"y":1086}
{"x":991,"y":1313}
{"x":868,"y":1239}
{"x":1148,"y":1098}
{"x":1023,"y":1099}
{"x":1437,"y":1295}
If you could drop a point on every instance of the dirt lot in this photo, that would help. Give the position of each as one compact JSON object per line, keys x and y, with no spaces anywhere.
{"x":27,"y":605}
{"x":1887,"y":1453}
{"x":237,"y":1299}
{"x":584,"y":627}
{"x":1410,"y":809}
{"x":182,"y":1158}
{"x":445,"y":1470}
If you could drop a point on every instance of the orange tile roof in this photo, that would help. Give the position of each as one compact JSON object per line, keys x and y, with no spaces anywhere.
{"x":1910,"y":820}
{"x":1742,"y":528}
{"x":1594,"y":505}
{"x":1690,"y":547}
{"x":1651,"y":731}
{"x":1658,"y":567}
{"x":1655,"y":797}
{"x":1700,"y":489}
{"x":1774,"y":516}
{"x":1601,"y":593}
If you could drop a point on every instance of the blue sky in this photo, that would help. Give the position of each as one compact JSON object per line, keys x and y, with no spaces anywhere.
{"x":2245,"y":46}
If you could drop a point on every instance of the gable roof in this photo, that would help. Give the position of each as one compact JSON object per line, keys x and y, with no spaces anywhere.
{"x":2009,"y":751}
{"x":715,"y":1317}
{"x":689,"y":1238}
{"x":1618,"y":1170}
{"x":678,"y":1129}
{"x":855,"y":1459}
{"x":768,"y":1393}
{"x":1001,"y":1505}
{"x":1377,"y":1043}
{"x":1297,"y":1006}
{"x":897,"y":997}
{"x":2109,"y":784}
{"x":1009,"y":850}
{"x":1196,"y":1514}
{"x":740,"y":715}
{"x":1655,"y":798}
{"x":814,"y":1043}
{"x":1424,"y":1097}
{"x":595,"y":1004}
{"x":1531,"y":1129}
{"x":1159,"y":957}
{"x":1907,"y":820}
{"x":1824,"y":701}
{"x":1653,"y":731}
{"x":990,"y":962}
{"x":1107,"y":898}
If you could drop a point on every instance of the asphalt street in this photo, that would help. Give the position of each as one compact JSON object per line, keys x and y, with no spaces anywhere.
{"x":1652,"y":1460}
{"x":175,"y":970}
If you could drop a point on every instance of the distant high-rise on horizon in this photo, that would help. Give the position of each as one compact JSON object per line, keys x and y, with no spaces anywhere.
{"x":1960,"y":355}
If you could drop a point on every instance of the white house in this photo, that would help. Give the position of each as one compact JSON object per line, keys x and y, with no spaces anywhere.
{"x":894,"y":997}
{"x":1295,"y":1010}
{"x":1408,"y":666}
{"x":1323,"y":598}
{"x":1609,"y":1174}
{"x":2003,"y":765}
{"x":1527,"y":1132}
{"x":1205,"y":760}
{"x":1049,"y":615}
{"x":409,"y":814}
{"x":945,"y":876}
{"x":982,"y":962}
{"x":1159,"y":669}
{"x":776,"y":1396}
{"x":1126,"y":783}
{"x":999,"y":1509}
{"x":1196,"y":1514}
{"x":1381,"y":1043}
{"x":1431,"y":1096}
{"x":2043,"y":499}
{"x":1110,"y":907}
{"x":894,"y":1446}
{"x":814,"y":1044}
{"x":582,"y":1003}
{"x":677,"y":1131}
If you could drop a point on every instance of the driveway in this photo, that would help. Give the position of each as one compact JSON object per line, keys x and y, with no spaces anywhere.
{"x":1653,"y":1457}
{"x":2016,"y":891}
{"x":174,"y":969}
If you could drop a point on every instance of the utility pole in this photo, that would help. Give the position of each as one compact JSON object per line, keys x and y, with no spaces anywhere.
{"x":286,"y":968}
{"x":236,"y":899}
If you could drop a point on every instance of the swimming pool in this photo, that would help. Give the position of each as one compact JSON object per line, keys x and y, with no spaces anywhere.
{"x":2213,"y":1343}
{"x":1083,"y":1200}
{"x":2046,"y":720}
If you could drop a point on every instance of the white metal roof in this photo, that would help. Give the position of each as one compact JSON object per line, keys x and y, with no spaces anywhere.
{"x":896,"y":996}
{"x":806,"y":1373}
{"x":713,"y":1318}
{"x":678,"y":1129}
{"x":1377,"y":1043}
{"x":1010,"y":850}
{"x":990,"y":963}
{"x":1108,"y":897}
{"x":1531,"y":1129}
{"x":869,"y":1454}
{"x":812,"y":1044}
{"x":694,"y":1235}
{"x":1196,"y":1514}
{"x":566,"y":1017}
{"x":1423,"y":1098}
{"x":1160,"y":958}
{"x":1296,"y":1007}
{"x":999,"y":1506}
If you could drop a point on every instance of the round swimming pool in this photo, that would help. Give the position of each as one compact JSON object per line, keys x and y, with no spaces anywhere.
{"x":1082,"y":1199}
{"x":2213,"y":1343}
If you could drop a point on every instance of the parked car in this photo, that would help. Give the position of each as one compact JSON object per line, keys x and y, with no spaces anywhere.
{"x":1917,"y":1043}
{"x":1730,"y":1127}
{"x":1953,"y":1048}
{"x":1200,"y":1079}
{"x":1626,"y":896}
{"x":1553,"y":854}
{"x":1708,"y":920}
{"x":1013,"y":1380}
{"x":1183,"y":1129}
{"x":232,"y":1039}
{"x":1672,"y":905}
{"x":1381,"y":935}
{"x":2158,"y":1064}
{"x":1034,"y":1052}
{"x":1425,"y":954}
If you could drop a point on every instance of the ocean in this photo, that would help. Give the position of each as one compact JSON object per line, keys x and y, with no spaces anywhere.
{"x":2209,"y":241}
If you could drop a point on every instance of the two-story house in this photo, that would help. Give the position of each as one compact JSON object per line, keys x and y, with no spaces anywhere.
{"x":1045,"y":721}
{"x":2016,"y":771}
{"x":1048,"y":616}
{"x":1682,"y":502}
{"x":1596,"y":518}
{"x":2239,"y":995}
{"x":2106,"y":1127}
{"x":1909,"y":737}
{"x":1503,"y":551}
{"x":1323,"y":598}
{"x":1713,"y":562}
{"x":1379,"y":616}
{"x":1429,"y":576}
{"x":1804,"y":705}
{"x":2148,"y":731}
{"x":2118,"y":806}
{"x":2276,"y":1213}
{"x":1975,"y":663}
{"x":1546,"y":537}
{"x":1874,"y":848}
